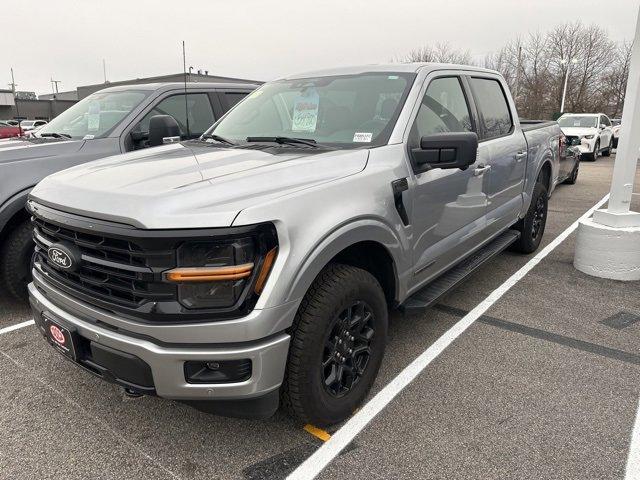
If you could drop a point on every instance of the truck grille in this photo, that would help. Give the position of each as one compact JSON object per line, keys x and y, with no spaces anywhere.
{"x":113,"y":270}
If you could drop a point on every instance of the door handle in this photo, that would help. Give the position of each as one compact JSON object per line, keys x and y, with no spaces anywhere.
{"x":520,"y":155}
{"x":481,"y":169}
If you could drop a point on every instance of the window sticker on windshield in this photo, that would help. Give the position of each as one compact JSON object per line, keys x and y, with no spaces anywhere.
{"x":88,"y":137}
{"x":305,"y":111}
{"x":362,"y":137}
{"x":576,"y":124}
{"x":93,"y":117}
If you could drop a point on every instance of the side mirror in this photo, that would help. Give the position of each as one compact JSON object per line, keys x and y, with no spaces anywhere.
{"x":446,"y":150}
{"x":163,"y":129}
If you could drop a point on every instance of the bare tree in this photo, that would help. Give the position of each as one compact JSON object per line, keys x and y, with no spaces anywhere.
{"x":439,"y":53}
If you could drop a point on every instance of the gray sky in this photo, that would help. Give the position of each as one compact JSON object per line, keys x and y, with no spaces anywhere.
{"x":262,"y":40}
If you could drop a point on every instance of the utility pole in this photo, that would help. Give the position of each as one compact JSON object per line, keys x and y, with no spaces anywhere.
{"x":13,"y":89}
{"x":104,"y":70}
{"x":566,"y":79}
{"x":608,"y":245}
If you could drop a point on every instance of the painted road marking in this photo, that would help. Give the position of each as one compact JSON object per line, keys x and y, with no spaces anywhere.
{"x":17,"y":326}
{"x":313,"y":465}
{"x":317,"y":432}
{"x":633,"y":460}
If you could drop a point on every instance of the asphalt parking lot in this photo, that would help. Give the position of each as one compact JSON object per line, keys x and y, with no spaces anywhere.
{"x":544,"y":385}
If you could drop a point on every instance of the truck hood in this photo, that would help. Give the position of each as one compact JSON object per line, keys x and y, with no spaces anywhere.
{"x":194,"y":186}
{"x":15,"y":150}
{"x":579,"y":131}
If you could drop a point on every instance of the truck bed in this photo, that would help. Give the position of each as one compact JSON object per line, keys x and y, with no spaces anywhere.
{"x":528,"y":125}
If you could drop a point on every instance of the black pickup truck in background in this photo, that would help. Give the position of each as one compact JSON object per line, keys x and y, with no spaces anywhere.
{"x":109,"y":122}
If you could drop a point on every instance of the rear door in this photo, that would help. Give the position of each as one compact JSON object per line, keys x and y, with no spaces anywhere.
{"x":503,"y":150}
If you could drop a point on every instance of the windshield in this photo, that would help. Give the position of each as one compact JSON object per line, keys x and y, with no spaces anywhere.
{"x":94,"y":116}
{"x":341,"y":111}
{"x":582,"y":121}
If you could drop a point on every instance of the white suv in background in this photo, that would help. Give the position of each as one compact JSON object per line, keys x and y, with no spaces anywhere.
{"x":592,"y":133}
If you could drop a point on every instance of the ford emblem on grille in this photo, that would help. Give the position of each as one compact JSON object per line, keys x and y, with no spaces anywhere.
{"x":61,"y":257}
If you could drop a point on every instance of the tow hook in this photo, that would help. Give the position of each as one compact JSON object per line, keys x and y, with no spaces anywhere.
{"x":131,"y":393}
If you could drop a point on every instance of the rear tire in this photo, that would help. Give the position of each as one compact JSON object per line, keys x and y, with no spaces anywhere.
{"x":571,"y":180}
{"x":531,"y":227}
{"x":15,"y":260}
{"x":316,"y":389}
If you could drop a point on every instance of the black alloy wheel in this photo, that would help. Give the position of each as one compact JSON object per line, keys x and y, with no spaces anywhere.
{"x":348,"y":349}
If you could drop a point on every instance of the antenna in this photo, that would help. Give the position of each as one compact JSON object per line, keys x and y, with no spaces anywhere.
{"x":104,"y":70}
{"x":184,"y":69}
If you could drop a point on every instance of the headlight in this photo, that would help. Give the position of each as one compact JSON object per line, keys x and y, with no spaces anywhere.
{"x":589,"y":137}
{"x":222,"y":274}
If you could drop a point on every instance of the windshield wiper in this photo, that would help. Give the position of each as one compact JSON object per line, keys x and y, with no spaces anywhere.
{"x":55,"y":135}
{"x":288,"y":140}
{"x":217,"y":138}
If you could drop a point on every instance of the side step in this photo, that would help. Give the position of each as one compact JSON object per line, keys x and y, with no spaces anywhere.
{"x":429,"y":295}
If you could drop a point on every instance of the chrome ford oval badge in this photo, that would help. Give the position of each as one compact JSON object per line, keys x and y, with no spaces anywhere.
{"x":60,"y":258}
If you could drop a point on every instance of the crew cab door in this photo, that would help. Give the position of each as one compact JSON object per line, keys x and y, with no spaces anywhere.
{"x":448,"y":205}
{"x":504,"y":150}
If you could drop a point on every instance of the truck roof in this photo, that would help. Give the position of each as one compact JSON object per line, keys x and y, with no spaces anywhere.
{"x":387,"y":67}
{"x":162,"y":86}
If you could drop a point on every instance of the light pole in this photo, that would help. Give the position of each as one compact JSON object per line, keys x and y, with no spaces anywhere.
{"x":566,"y":79}
{"x":608,"y":245}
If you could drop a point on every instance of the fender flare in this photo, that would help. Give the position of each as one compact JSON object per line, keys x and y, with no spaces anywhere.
{"x":342,"y":237}
{"x":12,"y":206}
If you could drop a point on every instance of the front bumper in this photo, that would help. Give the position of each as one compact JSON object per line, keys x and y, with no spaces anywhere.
{"x":166,"y":360}
{"x":586,"y":145}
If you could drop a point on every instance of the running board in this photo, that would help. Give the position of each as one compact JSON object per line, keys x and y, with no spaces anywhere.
{"x":429,"y":295}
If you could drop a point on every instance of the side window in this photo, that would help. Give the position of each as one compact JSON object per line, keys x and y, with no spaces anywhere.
{"x":604,"y":121}
{"x":493,"y":107}
{"x":199,"y":108}
{"x":444,"y":109}
{"x":231,"y":98}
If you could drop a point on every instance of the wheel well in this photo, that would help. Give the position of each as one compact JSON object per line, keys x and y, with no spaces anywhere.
{"x":375,"y":259}
{"x":20,"y":216}
{"x":545,"y":175}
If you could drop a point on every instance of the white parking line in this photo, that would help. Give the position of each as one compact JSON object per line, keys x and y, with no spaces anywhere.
{"x":17,"y":326}
{"x":313,"y":465}
{"x":633,"y":460}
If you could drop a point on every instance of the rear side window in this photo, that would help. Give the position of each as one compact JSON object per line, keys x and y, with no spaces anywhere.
{"x":231,"y":98}
{"x":444,"y":109}
{"x":494,"y":110}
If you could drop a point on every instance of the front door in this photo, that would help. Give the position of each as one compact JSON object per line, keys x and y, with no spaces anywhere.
{"x":448,"y":206}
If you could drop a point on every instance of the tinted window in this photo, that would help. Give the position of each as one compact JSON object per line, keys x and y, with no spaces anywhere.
{"x":231,"y":98}
{"x":199,"y":108}
{"x":444,"y":109}
{"x":492,"y":103}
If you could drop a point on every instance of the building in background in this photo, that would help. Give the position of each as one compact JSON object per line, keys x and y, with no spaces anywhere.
{"x":49,"y":105}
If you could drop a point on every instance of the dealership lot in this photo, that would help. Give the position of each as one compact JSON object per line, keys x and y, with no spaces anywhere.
{"x":546,"y":385}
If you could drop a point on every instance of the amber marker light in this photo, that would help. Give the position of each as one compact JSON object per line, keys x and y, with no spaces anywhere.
{"x":209,"y":274}
{"x":269,"y":258}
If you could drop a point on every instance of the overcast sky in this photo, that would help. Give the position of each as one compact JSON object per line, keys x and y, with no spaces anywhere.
{"x":260,"y":39}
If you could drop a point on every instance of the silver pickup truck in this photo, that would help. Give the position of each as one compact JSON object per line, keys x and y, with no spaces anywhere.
{"x":256,"y":265}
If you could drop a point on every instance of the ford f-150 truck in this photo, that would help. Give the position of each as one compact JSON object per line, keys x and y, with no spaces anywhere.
{"x":111,"y":121}
{"x":256,"y":265}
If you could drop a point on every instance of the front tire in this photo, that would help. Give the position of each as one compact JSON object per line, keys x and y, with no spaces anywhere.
{"x":15,"y":260}
{"x":532,"y":226}
{"x":338,"y":341}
